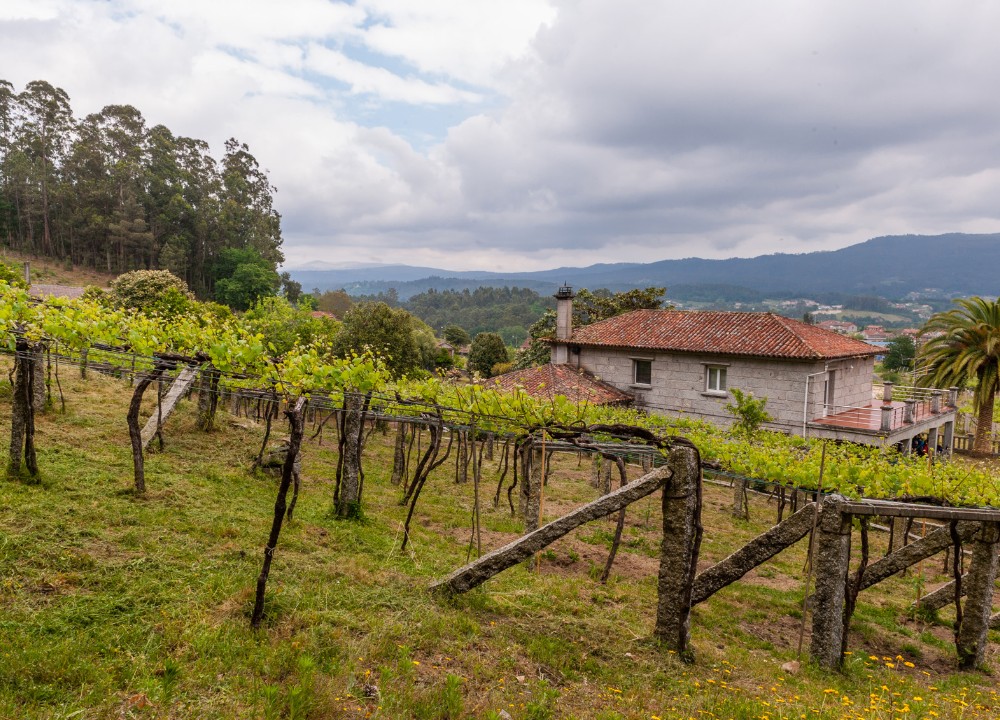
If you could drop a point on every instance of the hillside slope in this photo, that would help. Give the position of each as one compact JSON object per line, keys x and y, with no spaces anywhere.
{"x":890,"y":266}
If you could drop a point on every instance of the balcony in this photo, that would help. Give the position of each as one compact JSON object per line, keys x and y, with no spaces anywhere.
{"x":903,"y":413}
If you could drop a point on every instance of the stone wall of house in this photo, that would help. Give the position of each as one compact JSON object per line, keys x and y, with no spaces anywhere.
{"x":678,"y":383}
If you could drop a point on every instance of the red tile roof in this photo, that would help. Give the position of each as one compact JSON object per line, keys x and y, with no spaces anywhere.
{"x":550,"y":380}
{"x":725,"y":333}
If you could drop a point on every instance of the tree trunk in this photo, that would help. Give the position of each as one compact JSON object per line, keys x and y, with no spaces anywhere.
{"x":22,"y":425}
{"x":984,"y":426}
{"x":208,"y":397}
{"x":135,"y":434}
{"x":287,"y":473}
{"x":399,"y":454}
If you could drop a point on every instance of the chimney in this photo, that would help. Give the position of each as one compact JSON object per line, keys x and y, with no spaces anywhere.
{"x":564,"y":324}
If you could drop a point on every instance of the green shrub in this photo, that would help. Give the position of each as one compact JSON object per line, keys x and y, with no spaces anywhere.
{"x":151,"y":291}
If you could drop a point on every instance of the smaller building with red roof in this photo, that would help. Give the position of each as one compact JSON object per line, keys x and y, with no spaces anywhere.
{"x":548,"y":381}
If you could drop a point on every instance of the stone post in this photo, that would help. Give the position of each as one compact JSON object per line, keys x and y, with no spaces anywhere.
{"x":605,"y":484}
{"x":349,"y":501}
{"x":38,"y":378}
{"x":971,"y":642}
{"x":833,"y":554}
{"x":886,"y":424}
{"x":679,"y":551}
{"x":936,"y":401}
{"x":953,"y":397}
{"x":949,"y":438}
{"x":909,"y":412}
{"x":887,"y":392}
{"x":932,"y":438}
{"x":531,"y":486}
{"x":595,"y":471}
{"x":741,"y":508}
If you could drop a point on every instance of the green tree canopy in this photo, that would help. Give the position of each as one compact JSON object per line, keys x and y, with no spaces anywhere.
{"x":242,"y":277}
{"x":456,"y":336}
{"x":900,"y":353}
{"x":337,"y":302}
{"x":487,"y":350}
{"x":963,"y":347}
{"x":285,"y":326}
{"x":386,"y":331}
{"x":109,"y":193}
{"x":151,"y":290}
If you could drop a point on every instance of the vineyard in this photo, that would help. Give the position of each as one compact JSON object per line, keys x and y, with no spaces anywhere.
{"x":138,"y":601}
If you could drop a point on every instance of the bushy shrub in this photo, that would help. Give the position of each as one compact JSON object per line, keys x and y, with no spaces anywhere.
{"x":157,"y":291}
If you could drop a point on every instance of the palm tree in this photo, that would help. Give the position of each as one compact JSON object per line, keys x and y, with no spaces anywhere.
{"x":967,"y":349}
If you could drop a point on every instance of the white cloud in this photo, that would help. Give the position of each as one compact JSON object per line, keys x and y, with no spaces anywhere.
{"x":366,"y":79}
{"x":577,"y":132}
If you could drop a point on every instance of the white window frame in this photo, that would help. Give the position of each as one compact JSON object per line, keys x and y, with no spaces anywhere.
{"x":721,"y":385}
{"x":635,"y":371}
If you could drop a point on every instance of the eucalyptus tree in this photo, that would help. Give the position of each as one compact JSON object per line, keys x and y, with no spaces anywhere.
{"x":45,"y":131}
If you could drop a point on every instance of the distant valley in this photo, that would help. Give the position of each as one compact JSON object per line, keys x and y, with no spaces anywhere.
{"x":893,"y":267}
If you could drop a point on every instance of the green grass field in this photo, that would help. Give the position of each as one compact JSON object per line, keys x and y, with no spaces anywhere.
{"x":118,"y":606}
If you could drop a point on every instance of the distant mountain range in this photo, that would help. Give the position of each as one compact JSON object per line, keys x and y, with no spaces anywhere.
{"x":948,"y":265}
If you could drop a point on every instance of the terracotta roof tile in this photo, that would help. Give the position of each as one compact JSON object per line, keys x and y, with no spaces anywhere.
{"x":550,"y":380}
{"x":727,"y":333}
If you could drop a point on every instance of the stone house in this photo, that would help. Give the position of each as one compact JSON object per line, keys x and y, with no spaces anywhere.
{"x":817,"y":382}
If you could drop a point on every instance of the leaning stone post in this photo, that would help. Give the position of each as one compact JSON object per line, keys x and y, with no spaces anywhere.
{"x":833,"y":554}
{"x":679,"y":551}
{"x":971,"y":641}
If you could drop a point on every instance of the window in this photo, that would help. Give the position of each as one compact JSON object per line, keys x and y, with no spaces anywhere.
{"x":642,"y":372}
{"x":715,"y":379}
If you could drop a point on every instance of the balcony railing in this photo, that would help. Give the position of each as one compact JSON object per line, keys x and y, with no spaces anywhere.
{"x":900,"y":407}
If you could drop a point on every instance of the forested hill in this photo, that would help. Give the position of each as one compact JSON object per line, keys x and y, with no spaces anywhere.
{"x":107,"y":192}
{"x":890,"y":266}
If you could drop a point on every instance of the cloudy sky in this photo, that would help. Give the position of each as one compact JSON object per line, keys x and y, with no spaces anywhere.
{"x":528,"y":134}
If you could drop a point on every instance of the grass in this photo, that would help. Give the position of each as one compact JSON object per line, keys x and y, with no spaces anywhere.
{"x":118,"y":606}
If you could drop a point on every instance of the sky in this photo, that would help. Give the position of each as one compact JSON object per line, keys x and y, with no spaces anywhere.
{"x":532,"y":134}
